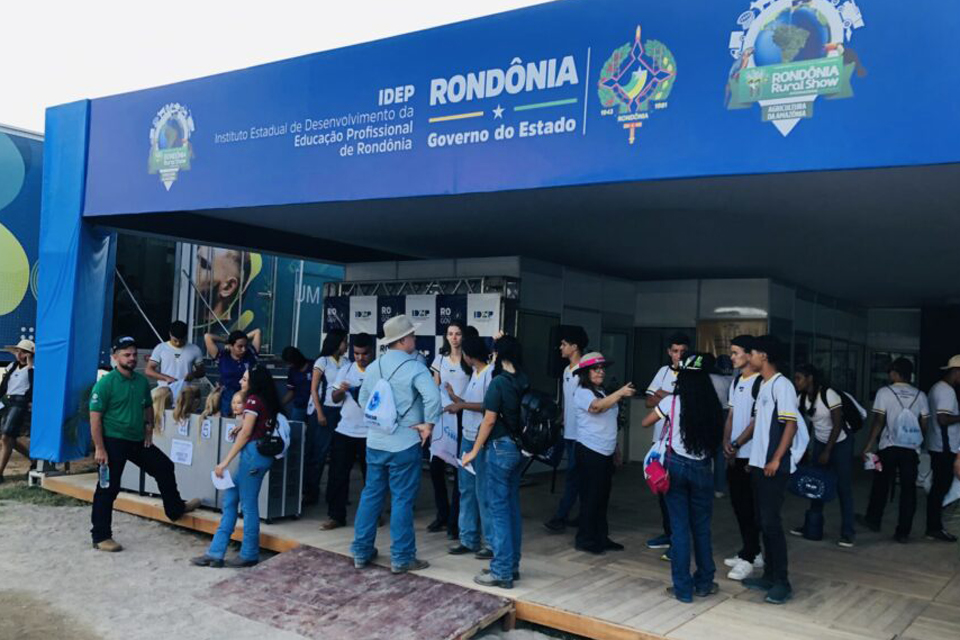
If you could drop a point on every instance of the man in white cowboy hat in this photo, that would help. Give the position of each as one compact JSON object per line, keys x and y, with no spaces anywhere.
{"x":943,"y":443}
{"x":16,"y":393}
{"x":393,"y":451}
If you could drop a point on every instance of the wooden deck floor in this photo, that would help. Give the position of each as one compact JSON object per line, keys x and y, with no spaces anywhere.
{"x":878,"y":589}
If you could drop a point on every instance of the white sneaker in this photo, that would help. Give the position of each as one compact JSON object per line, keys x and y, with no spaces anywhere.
{"x":733,"y":560}
{"x":743,"y":569}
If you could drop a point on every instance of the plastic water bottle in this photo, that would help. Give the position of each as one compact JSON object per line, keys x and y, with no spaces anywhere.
{"x":104,"y":472}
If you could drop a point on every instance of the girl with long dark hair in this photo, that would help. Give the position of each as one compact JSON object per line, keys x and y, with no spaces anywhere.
{"x":451,"y":373}
{"x":832,"y":448}
{"x":259,"y":419}
{"x":692,"y":432}
{"x":597,"y":413}
{"x":501,"y":418}
{"x":323,"y":412}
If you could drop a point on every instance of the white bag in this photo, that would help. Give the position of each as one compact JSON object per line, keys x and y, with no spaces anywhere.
{"x":380,"y":413}
{"x":905,"y":430}
{"x":283,"y":430}
{"x":954,"y":493}
{"x":443,"y":442}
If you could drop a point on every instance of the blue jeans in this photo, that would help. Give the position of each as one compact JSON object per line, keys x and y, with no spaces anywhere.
{"x":296,"y":414}
{"x":690,"y":503}
{"x":571,"y":483}
{"x":246,"y":494}
{"x":316,"y":451}
{"x":841,"y":463}
{"x":400,"y":473}
{"x":504,"y":463}
{"x":474,"y":515}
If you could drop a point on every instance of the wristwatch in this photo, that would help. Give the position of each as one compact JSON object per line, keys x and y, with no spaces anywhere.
{"x":735,"y":444}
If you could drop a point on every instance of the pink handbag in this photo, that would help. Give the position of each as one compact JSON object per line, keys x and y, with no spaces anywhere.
{"x":656,"y":474}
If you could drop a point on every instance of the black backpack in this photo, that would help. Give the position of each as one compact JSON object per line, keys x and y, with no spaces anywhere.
{"x":755,"y":391}
{"x":539,"y":429}
{"x":852,"y":417}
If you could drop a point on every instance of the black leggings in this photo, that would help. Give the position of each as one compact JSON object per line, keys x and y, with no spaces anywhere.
{"x":596,"y":481}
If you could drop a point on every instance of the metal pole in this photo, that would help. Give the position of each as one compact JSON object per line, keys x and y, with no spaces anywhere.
{"x":206,"y":304}
{"x":137,"y":305}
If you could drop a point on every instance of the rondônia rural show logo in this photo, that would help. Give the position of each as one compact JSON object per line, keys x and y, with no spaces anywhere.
{"x":787,"y":53}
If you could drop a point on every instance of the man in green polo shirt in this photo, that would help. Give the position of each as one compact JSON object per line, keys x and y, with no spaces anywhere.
{"x":121,"y":426}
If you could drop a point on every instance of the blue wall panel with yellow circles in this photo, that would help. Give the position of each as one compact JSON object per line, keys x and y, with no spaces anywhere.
{"x":21,"y":174}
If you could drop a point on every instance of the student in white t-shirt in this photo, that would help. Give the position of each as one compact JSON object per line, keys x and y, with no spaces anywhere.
{"x":899,"y":418}
{"x":597,"y":413}
{"x":323,"y":412}
{"x":173,"y":362}
{"x":780,"y":439}
{"x":659,"y":388}
{"x":350,"y":436}
{"x":832,"y":449}
{"x":474,"y":519}
{"x":943,"y":443}
{"x":692,"y":433}
{"x":573,"y":344}
{"x":451,"y":373}
{"x":737,"y":436}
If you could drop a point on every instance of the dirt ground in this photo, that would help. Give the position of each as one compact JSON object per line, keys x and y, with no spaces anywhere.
{"x":54,"y":585}
{"x":29,"y":618}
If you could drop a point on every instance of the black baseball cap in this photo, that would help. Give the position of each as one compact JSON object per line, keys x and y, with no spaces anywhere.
{"x":124,"y":342}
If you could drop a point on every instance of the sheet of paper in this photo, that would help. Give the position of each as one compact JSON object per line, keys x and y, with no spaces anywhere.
{"x":227,"y":427}
{"x":224,"y":483}
{"x":183,"y":428}
{"x":181,"y":451}
{"x":206,"y":429}
{"x":466,"y":467}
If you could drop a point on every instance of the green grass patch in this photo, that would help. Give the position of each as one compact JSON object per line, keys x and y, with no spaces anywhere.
{"x":19,"y":491}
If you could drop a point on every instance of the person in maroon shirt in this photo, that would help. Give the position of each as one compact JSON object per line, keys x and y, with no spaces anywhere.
{"x":259,"y":419}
